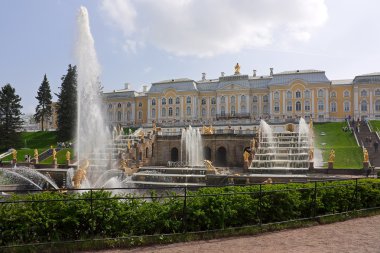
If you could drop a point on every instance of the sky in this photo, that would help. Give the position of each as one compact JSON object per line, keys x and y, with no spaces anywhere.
{"x":145,"y":41}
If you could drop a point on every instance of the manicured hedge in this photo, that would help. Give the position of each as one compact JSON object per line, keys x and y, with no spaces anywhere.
{"x":98,"y":214}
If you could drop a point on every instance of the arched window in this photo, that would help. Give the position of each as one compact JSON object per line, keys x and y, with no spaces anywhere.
{"x":203,"y":112}
{"x":346,"y":93}
{"x":243,"y":109}
{"x":188,"y":110}
{"x":118,"y":116}
{"x":233,"y":111}
{"x":243,"y":99}
{"x":266,"y":108}
{"x":298,"y":95}
{"x":288,"y":94}
{"x":177,"y":111}
{"x":307,"y":105}
{"x":265,"y":98}
{"x":153,"y":113}
{"x":177,"y":100}
{"x":233,"y":100}
{"x":128,"y":115}
{"x":276,"y":106}
{"x":223,"y":111}
{"x":307,"y":94}
{"x":289,"y":107}
{"x":170,"y":111}
{"x":213,"y":101}
{"x":203,"y":101}
{"x":188,"y":100}
{"x":140,"y":104}
{"x":140,"y":115}
{"x":363,"y":106}
{"x":333,"y":107}
{"x":363,"y":93}
{"x":110,"y":106}
{"x":110,"y":116}
{"x":320,"y":93}
{"x":298,"y":106}
{"x":254,"y":109}
{"x":377,"y":92}
{"x":276,"y":95}
{"x":129,"y":104}
{"x":254,"y":100}
{"x":163,"y":101}
{"x":320,"y":105}
{"x":213,"y":112}
{"x":170,"y":101}
{"x":333,"y":94}
{"x":118,"y":105}
{"x":377,"y":105}
{"x":346,"y":106}
{"x":222,"y":99}
{"x":153,"y":101}
{"x":163,"y":112}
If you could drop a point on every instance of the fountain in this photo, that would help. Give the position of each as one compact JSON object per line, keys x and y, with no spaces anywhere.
{"x":191,"y":147}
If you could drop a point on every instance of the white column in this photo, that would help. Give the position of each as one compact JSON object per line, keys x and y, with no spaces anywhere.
{"x":148,"y":112}
{"x":356,"y":102}
{"x":217,"y":105}
{"x":239,"y":101}
{"x":370,"y":104}
{"x":327,"y":103}
{"x":283,"y":102}
{"x":270,"y":103}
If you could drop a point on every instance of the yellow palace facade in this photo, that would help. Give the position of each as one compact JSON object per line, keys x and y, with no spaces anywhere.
{"x":242,"y":98}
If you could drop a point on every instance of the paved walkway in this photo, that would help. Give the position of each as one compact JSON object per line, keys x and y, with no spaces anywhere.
{"x":357,"y":235}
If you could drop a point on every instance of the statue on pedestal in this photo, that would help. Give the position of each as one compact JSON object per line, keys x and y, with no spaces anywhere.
{"x":365,"y":156}
{"x":332,"y":156}
{"x":237,"y":69}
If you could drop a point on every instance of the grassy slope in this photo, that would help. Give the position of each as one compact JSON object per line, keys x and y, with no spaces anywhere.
{"x":21,"y":154}
{"x":39,"y":139}
{"x":347,"y":153}
{"x":61,"y":156}
{"x":376,"y":125}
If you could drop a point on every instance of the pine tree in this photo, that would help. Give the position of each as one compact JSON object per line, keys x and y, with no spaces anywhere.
{"x":10,"y":118}
{"x":67,"y":105}
{"x":43,"y":109}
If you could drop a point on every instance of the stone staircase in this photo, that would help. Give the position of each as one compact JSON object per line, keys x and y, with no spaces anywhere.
{"x":363,"y":135}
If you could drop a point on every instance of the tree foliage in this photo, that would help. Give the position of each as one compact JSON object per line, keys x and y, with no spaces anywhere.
{"x":10,"y":118}
{"x":43,"y":109}
{"x":67,"y":105}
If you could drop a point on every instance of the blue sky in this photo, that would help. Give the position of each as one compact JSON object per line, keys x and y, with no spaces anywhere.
{"x":143,"y":41}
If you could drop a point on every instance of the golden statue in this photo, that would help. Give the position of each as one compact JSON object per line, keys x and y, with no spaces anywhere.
{"x":54,"y":154}
{"x":332,"y":156}
{"x":237,"y":69}
{"x":208,"y":130}
{"x":80,"y":174}
{"x":129,"y":144}
{"x":14,"y":154}
{"x":245,"y":156}
{"x":365,"y":156}
{"x":311,"y":123}
{"x":209,"y":166}
{"x":253,"y":144}
{"x":68,"y":155}
{"x":311,"y":154}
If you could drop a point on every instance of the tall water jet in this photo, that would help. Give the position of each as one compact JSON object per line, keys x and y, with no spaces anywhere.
{"x":92,"y":136}
{"x":303,"y":133}
{"x":266,"y":135}
{"x":191,"y":147}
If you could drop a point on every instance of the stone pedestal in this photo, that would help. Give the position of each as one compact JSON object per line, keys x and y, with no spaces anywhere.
{"x":14,"y":161}
{"x":365,"y":165}
{"x":68,"y":162}
{"x":55,"y":164}
{"x":311,"y":165}
{"x":331,"y":165}
{"x":36,"y":161}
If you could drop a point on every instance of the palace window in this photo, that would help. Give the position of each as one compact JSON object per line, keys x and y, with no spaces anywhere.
{"x":288,"y":94}
{"x":265,"y":108}
{"x":298,"y":94}
{"x":177,"y":111}
{"x":128,"y":115}
{"x":265,"y":98}
{"x":222,"y":111}
{"x":163,"y":112}
{"x":177,"y":100}
{"x":153,"y":113}
{"x":276,"y":95}
{"x":346,"y":106}
{"x":213,"y":101}
{"x":346,"y":93}
{"x":110,"y":116}
{"x":203,"y":112}
{"x":153,"y":101}
{"x":333,"y":107}
{"x":188,"y":110}
{"x":363,"y":106}
{"x":377,"y":92}
{"x":320,"y":105}
{"x":129,"y":104}
{"x":320,"y":93}
{"x":233,"y":111}
{"x":243,"y":99}
{"x":188,"y":100}
{"x":363,"y":93}
{"x":289,"y":106}
{"x":170,"y":111}
{"x":233,"y":100}
{"x":213,"y":112}
{"x":254,"y":100}
{"x":170,"y":101}
{"x":333,"y":94}
{"x":203,"y":101}
{"x":307,"y":94}
{"x":276,"y":106}
{"x":140,"y":104}
{"x":163,"y":101}
{"x":298,"y":106}
{"x":377,"y":105}
{"x":243,"y":109}
{"x":222,"y":99}
{"x":118,"y":116}
{"x":118,"y":105}
{"x":140,"y":115}
{"x":307,"y":105}
{"x":254,"y":109}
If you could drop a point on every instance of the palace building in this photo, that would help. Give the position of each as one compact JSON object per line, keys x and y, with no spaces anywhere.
{"x":243,"y":98}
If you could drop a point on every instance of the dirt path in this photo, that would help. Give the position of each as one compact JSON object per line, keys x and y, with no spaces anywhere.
{"x":357,"y":235}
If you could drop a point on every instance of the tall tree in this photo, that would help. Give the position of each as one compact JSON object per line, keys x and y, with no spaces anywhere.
{"x":67,"y":105}
{"x":10,"y":118}
{"x":43,"y":109}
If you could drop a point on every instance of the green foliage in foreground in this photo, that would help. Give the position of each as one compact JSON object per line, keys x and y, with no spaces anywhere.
{"x":61,"y":217}
{"x":347,"y":153}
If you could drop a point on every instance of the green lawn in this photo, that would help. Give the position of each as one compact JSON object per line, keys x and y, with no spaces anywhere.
{"x":375,"y":125}
{"x":39,"y":139}
{"x":61,"y":157}
{"x":21,"y":154}
{"x":348,"y":155}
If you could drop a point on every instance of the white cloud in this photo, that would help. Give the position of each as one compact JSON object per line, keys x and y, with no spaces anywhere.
{"x":206,"y":28}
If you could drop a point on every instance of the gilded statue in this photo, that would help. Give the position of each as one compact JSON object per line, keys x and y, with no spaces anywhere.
{"x":237,"y":69}
{"x":332,"y":155}
{"x":36,"y":154}
{"x":80,"y":174}
{"x":129,"y":144}
{"x":14,"y":154}
{"x":245,"y":156}
{"x":207,"y":130}
{"x":365,"y":156}
{"x":311,"y":154}
{"x":68,"y":156}
{"x":209,"y":166}
{"x":54,"y":154}
{"x":253,"y":144}
{"x":311,"y":123}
